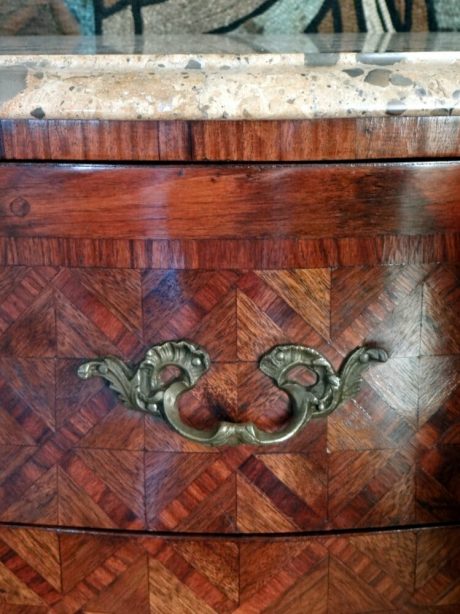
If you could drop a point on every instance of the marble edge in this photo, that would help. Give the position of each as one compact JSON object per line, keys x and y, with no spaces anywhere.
{"x":127,"y":62}
{"x":220,"y":86}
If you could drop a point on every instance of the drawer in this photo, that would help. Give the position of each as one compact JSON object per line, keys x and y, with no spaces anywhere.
{"x":401,"y":571}
{"x":109,"y":261}
{"x":73,"y":455}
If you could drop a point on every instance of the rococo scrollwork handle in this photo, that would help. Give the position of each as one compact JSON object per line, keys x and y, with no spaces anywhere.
{"x":143,"y":388}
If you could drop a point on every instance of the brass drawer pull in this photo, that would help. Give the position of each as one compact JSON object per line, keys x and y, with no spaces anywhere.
{"x":143,"y":389}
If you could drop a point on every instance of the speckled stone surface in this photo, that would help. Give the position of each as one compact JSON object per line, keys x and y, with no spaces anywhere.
{"x":229,"y":78}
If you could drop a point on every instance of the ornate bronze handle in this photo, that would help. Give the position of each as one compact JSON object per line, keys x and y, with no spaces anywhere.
{"x":143,"y":389}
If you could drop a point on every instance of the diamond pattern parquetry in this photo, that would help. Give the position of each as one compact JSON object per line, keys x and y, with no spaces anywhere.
{"x":98,"y":312}
{"x":381,"y":305}
{"x":66,"y":573}
{"x":270,"y":311}
{"x":369,"y":574}
{"x":441,"y":298}
{"x":27,"y":316}
{"x":195,"y":305}
{"x":438,"y":488}
{"x":72,"y":455}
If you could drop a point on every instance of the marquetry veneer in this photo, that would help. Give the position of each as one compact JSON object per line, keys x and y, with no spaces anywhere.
{"x":408,"y":571}
{"x":110,"y":259}
{"x":73,"y":456}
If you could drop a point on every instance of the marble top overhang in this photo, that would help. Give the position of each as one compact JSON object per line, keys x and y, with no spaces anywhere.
{"x":230,"y":77}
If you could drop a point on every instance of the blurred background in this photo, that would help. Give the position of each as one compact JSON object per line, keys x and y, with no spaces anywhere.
{"x":29,"y":17}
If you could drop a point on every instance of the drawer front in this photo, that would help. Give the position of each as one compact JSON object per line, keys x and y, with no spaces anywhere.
{"x":73,"y":456}
{"x":407,"y":571}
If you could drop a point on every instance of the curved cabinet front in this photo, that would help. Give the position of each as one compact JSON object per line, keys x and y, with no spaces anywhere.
{"x":74,"y":456}
{"x":74,"y":571}
{"x":258,"y":267}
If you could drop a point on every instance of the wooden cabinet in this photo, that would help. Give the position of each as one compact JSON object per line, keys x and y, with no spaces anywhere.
{"x":356,"y":513}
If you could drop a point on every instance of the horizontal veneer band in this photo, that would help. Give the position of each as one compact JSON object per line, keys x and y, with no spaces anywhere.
{"x":173,"y":202}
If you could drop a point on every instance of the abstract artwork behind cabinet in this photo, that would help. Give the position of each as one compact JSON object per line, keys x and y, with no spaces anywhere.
{"x":22,"y":17}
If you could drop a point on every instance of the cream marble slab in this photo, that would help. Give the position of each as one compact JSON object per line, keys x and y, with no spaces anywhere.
{"x":224,"y":77}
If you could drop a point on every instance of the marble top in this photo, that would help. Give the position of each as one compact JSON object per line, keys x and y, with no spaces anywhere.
{"x":230,"y":77}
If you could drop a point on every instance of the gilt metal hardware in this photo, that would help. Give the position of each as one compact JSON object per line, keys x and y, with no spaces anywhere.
{"x":143,"y":388}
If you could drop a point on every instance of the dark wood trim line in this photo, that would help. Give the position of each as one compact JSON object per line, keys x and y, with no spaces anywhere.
{"x":232,"y":536}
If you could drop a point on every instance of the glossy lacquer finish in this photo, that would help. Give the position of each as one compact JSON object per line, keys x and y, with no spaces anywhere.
{"x":70,"y":455}
{"x":304,"y":202}
{"x":408,"y":571}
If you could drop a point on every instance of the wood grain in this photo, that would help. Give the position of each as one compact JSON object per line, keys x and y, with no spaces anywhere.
{"x":108,"y":259}
{"x":436,"y":572}
{"x":58,"y":571}
{"x":230,"y":253}
{"x":72,"y":455}
{"x":249,"y":140}
{"x":440,"y":311}
{"x":438,"y":440}
{"x":254,"y":202}
{"x":198,"y":305}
